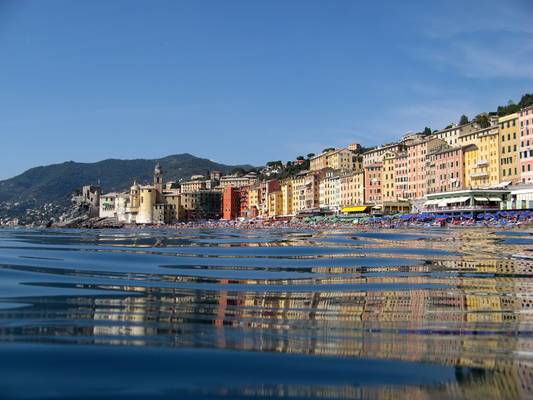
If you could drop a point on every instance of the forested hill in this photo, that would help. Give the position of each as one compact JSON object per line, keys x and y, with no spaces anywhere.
{"x":55,"y":183}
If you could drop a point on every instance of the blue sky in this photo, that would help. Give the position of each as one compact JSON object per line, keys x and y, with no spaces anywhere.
{"x":247,"y":81}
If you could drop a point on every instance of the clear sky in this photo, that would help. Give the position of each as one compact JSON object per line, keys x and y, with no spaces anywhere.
{"x":247,"y":81}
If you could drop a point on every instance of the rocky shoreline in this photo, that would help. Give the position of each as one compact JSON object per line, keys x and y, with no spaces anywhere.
{"x":88,"y":223}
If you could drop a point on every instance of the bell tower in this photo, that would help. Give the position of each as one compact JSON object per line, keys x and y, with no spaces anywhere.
{"x":158,"y":178}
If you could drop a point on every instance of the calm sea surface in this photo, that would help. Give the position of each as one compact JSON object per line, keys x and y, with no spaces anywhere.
{"x":165,"y":314}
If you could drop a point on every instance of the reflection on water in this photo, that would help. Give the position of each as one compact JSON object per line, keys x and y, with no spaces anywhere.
{"x":293,"y":314}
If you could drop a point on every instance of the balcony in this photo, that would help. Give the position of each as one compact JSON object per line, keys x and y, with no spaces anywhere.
{"x":482,"y":163}
{"x":466,"y":208}
{"x":479,"y":175}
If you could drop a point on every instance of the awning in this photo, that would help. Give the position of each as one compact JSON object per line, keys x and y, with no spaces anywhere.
{"x":459,"y":199}
{"x":481,"y":199}
{"x":431,"y":202}
{"x":354,"y":209}
{"x":495,"y":199}
{"x":443,"y":203}
{"x":501,"y":185}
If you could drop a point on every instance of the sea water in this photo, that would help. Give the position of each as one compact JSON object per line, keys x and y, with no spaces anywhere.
{"x":266,"y":313}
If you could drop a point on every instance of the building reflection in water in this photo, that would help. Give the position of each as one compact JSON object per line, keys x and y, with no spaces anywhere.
{"x":472,"y":312}
{"x":482,"y":321}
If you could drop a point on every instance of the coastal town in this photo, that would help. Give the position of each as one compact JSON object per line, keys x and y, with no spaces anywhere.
{"x":483,"y":165}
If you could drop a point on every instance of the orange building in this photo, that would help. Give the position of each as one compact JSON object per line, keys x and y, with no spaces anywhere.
{"x":231,"y":203}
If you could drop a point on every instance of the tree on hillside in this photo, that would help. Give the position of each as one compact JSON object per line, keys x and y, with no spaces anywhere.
{"x":510,"y":108}
{"x":328,"y":149}
{"x":482,"y":120}
{"x":238,"y":172}
{"x":275,"y":163}
{"x":310,"y":155}
{"x":526,"y":100}
{"x":463,"y":120}
{"x":427,"y":131}
{"x":300,"y":158}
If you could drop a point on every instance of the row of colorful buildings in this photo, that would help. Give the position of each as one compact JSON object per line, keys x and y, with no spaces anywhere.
{"x":496,"y":157}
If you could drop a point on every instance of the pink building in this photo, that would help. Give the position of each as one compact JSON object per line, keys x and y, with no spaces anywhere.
{"x":373,"y":183}
{"x":448,"y":169}
{"x":417,"y":158}
{"x":525,"y":123}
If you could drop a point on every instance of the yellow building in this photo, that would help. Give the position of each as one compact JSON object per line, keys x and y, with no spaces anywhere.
{"x":172,"y":199}
{"x":298,"y":192}
{"x":275,"y":204}
{"x":388,"y":186}
{"x":238,"y":181}
{"x":193,"y":186}
{"x":341,"y":159}
{"x":509,"y":145}
{"x":147,"y":195}
{"x":254,"y":199}
{"x":148,"y":204}
{"x":286,"y":191}
{"x":482,"y":160}
{"x":451,"y":135}
{"x":352,"y":189}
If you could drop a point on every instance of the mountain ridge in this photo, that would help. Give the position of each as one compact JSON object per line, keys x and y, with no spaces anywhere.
{"x":55,"y":183}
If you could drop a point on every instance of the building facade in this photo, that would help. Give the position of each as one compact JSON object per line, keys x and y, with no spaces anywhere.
{"x":329,"y":191}
{"x":525,"y":122}
{"x":482,"y":161}
{"x":340,"y":159}
{"x":388,"y":177}
{"x":352,"y":189}
{"x":373,"y":192}
{"x":446,"y":171}
{"x":509,"y":145}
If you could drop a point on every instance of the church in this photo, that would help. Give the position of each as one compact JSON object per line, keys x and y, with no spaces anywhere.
{"x":144,"y":204}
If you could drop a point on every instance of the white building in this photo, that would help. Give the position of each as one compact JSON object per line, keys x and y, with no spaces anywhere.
{"x":107,"y":205}
{"x":329,"y":192}
{"x":521,"y":198}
